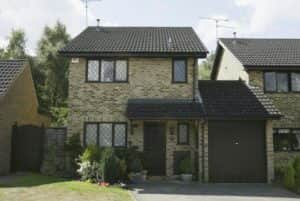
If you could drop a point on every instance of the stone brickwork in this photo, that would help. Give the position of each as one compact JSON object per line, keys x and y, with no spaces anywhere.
{"x":148,"y":78}
{"x":136,"y":139}
{"x":19,"y":105}
{"x":287,"y":103}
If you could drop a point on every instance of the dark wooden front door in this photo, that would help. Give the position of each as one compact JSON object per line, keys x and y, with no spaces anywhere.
{"x":155,"y":148}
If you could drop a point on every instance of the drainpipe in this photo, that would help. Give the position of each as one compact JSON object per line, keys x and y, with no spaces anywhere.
{"x":194,"y":79}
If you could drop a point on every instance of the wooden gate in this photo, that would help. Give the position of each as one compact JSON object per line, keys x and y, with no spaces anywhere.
{"x":27,"y":148}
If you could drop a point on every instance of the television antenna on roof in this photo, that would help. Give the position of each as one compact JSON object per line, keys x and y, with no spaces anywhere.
{"x":86,"y":2}
{"x":217,"y":22}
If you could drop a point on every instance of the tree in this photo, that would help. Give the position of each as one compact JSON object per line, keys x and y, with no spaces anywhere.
{"x":16,"y":46}
{"x":51,"y":72}
{"x":206,"y":66}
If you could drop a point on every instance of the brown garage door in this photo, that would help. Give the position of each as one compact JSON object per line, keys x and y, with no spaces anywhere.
{"x":236,"y":151}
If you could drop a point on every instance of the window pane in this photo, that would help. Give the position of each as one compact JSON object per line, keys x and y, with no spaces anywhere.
{"x":282,"y":82}
{"x":121,"y":70}
{"x":270,"y":81}
{"x":183,"y":134}
{"x":105,"y":135}
{"x":179,"y":71}
{"x":297,"y":142}
{"x":120,"y":135}
{"x":107,"y":71}
{"x":93,"y":70}
{"x":91,"y":134}
{"x":295,"y":81}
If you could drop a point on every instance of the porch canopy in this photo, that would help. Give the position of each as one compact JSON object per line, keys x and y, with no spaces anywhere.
{"x":157,"y":109}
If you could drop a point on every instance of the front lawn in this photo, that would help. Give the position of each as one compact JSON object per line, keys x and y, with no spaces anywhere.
{"x":35,"y":187}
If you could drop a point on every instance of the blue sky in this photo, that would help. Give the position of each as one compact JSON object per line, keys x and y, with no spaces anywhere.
{"x":250,"y":18}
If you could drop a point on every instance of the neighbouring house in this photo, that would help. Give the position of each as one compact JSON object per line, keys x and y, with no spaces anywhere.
{"x":138,"y":86}
{"x":273,"y":65}
{"x":18,"y":105}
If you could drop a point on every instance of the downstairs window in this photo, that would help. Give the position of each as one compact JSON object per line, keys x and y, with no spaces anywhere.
{"x":286,"y":139}
{"x":105,"y":134}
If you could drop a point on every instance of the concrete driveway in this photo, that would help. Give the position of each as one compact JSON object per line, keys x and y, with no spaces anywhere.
{"x":166,"y":191}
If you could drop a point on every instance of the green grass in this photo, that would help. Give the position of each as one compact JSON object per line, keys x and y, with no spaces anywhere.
{"x":37,"y":187}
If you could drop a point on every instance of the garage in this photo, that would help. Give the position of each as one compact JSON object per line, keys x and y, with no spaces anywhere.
{"x":236,"y":151}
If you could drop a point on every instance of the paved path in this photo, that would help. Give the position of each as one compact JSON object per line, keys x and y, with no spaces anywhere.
{"x":163,"y":191}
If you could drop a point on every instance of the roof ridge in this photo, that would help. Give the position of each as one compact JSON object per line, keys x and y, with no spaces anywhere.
{"x":258,"y":38}
{"x":175,"y":27}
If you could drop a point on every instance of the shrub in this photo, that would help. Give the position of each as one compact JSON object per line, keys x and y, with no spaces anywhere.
{"x":185,"y":166}
{"x":123,"y":170}
{"x":110,"y":166}
{"x":91,"y":153}
{"x":135,"y":165}
{"x":289,"y":177}
{"x":90,"y":171}
{"x":296,"y":165}
{"x":73,"y":149}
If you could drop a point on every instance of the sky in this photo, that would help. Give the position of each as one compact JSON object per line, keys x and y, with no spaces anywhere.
{"x":249,"y":18}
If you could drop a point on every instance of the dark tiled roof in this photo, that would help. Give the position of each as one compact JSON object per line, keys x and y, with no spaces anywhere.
{"x":164,"y":109}
{"x":234,"y":99}
{"x":265,"y":52}
{"x":134,"y":41}
{"x":9,"y":71}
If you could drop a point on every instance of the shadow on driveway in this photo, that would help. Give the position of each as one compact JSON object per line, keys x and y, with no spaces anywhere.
{"x":178,"y":191}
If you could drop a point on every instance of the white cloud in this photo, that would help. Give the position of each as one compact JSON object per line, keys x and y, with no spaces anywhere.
{"x":265,"y":13}
{"x":33,"y":15}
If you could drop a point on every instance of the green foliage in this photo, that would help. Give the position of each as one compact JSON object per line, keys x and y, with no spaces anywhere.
{"x":186,"y":166}
{"x":205,"y":67}
{"x":59,"y":116}
{"x":90,"y":171}
{"x":111,"y":166}
{"x":50,"y":71}
{"x":73,"y":149}
{"x":135,"y":165}
{"x":91,"y":154}
{"x":296,"y":165}
{"x":289,"y":177}
{"x":16,"y":45}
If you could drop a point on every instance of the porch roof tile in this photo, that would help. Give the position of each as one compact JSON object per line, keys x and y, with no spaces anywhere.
{"x":148,"y":109}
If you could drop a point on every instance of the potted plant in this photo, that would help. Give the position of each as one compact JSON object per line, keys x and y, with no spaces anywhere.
{"x":186,"y":169}
{"x":137,"y":174}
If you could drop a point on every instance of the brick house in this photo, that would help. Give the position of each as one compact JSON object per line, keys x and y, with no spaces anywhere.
{"x":18,"y":104}
{"x":273,"y":66}
{"x":138,"y":86}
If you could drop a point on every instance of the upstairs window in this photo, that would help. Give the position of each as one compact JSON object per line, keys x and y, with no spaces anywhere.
{"x":106,"y":70}
{"x":183,"y":134}
{"x":282,"y":81}
{"x":179,"y":71}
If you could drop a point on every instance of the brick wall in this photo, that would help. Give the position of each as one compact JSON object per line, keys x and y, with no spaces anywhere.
{"x":287,"y":103}
{"x":148,"y":78}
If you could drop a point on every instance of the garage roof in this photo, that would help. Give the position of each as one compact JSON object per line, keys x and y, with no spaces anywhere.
{"x":164,"y":109}
{"x":9,"y":71}
{"x":235,"y":99}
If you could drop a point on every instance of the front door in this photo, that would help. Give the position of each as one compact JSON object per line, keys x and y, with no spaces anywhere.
{"x":155,"y":148}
